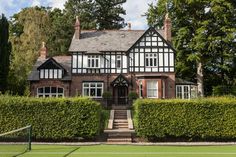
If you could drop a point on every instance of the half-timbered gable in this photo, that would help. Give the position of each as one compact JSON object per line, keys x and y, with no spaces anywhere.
{"x":151,"y":53}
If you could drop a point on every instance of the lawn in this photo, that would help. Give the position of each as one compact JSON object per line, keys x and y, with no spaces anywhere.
{"x":120,"y":151}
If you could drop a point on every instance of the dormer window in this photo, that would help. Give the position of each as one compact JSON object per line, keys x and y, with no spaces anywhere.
{"x":93,"y":61}
{"x":51,"y":70}
{"x":51,"y":73}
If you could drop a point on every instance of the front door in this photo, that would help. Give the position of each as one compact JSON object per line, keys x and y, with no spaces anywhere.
{"x":122,"y":95}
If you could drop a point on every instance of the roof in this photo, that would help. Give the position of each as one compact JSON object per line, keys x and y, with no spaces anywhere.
{"x":179,"y":81}
{"x":93,"y":41}
{"x":64,"y":61}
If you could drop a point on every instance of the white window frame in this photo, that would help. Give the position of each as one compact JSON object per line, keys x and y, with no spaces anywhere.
{"x":151,"y":57}
{"x":93,"y":59}
{"x":140,"y":89}
{"x":50,"y":94}
{"x":152,"y":87}
{"x":50,"y":73}
{"x":181,"y":94}
{"x":118,"y":61}
{"x":89,"y":87}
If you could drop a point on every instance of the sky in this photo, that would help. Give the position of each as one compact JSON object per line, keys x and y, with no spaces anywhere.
{"x":134,"y":9}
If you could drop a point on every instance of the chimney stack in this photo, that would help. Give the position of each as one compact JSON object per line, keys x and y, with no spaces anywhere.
{"x":43,"y":51}
{"x":167,"y":28}
{"x":129,"y":26}
{"x":77,"y":28}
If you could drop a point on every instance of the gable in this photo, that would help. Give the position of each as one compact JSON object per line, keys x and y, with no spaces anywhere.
{"x":151,"y":53}
{"x":50,"y":64}
{"x":152,"y":38}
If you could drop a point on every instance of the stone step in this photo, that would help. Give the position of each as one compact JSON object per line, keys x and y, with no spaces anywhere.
{"x":119,"y":140}
{"x":120,"y":121}
{"x":119,"y":134}
{"x":120,"y":127}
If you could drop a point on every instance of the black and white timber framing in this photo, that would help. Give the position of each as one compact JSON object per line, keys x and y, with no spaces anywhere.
{"x":151,"y":44}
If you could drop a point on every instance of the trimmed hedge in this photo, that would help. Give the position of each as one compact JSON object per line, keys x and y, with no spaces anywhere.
{"x":51,"y":118}
{"x":202,"y":119}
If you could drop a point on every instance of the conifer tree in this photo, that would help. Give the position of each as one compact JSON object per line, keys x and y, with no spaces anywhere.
{"x":5,"y":50}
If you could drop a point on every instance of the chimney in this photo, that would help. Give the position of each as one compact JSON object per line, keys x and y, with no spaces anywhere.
{"x":43,"y":51}
{"x":167,"y":28}
{"x":129,"y":26}
{"x":77,"y":28}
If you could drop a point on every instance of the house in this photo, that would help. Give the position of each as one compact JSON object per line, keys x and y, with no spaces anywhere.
{"x":115,"y":61}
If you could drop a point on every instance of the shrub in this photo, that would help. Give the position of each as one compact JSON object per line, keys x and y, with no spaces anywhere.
{"x":51,"y":119}
{"x":133,"y":95}
{"x":205,"y":119}
{"x":106,"y":95}
{"x":224,"y":90}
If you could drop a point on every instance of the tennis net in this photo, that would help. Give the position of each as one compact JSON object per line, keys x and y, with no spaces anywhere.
{"x":15,"y":142}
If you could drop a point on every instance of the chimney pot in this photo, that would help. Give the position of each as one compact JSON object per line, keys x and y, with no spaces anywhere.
{"x":167,"y":28}
{"x":43,"y":51}
{"x":129,"y":26}
{"x":77,"y":28}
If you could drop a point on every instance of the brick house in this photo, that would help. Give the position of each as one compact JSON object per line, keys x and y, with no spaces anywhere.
{"x":115,"y":61}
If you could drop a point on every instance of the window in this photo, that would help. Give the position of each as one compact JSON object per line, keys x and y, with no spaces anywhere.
{"x":50,"y":92}
{"x":93,"y":61}
{"x":118,"y":61}
{"x":151,"y":60}
{"x":140,"y":89}
{"x":152,"y":89}
{"x":93,"y":89}
{"x":183,"y":91}
{"x":50,"y":73}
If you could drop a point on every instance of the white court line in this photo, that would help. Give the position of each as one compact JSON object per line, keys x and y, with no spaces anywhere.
{"x":127,"y":153}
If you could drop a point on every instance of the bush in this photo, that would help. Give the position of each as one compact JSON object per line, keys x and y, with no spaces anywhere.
{"x":133,"y":95}
{"x":106,"y":95}
{"x":51,"y":119}
{"x":224,"y":90}
{"x":205,"y":119}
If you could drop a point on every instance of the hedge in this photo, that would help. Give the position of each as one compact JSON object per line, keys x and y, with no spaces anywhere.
{"x":51,"y":118}
{"x":212,"y":119}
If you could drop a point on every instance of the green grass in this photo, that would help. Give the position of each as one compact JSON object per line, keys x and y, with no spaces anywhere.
{"x":123,"y":151}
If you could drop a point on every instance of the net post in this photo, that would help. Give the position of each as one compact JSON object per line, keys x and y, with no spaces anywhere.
{"x":30,"y":134}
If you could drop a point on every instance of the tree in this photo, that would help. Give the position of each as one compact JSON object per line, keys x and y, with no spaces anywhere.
{"x":108,"y":14}
{"x":5,"y":52}
{"x":60,"y":34}
{"x":82,"y":8}
{"x":198,"y":28}
{"x":28,"y":29}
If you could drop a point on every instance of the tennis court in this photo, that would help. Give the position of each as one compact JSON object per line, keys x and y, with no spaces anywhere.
{"x":121,"y":151}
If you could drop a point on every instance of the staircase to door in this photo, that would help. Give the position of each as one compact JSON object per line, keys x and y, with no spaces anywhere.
{"x":120,"y":132}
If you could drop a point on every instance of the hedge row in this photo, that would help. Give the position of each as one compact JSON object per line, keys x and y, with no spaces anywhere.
{"x":205,"y":119}
{"x":51,"y":119}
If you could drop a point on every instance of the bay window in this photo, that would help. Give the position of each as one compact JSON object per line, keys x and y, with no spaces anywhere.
{"x":152,"y":89}
{"x":50,"y":92}
{"x":93,"y":89}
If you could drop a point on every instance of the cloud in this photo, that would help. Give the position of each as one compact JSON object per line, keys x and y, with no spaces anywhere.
{"x":135,"y":9}
{"x":36,"y":3}
{"x":56,"y":3}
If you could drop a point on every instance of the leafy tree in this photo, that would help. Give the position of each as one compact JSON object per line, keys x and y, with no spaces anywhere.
{"x":204,"y":32}
{"x":60,"y":34}
{"x":107,"y":13}
{"x":82,"y":8}
{"x":5,"y":52}
{"x":29,"y":28}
